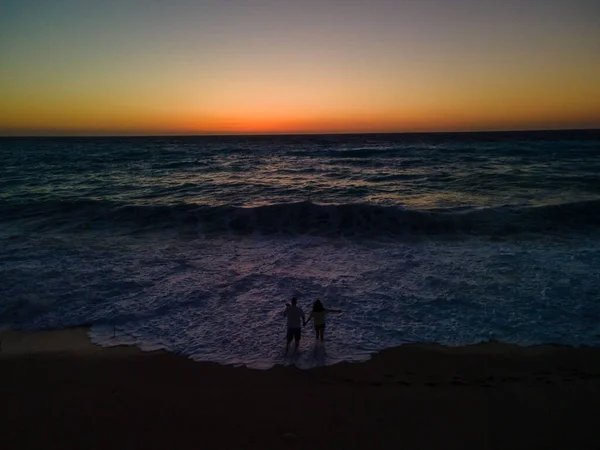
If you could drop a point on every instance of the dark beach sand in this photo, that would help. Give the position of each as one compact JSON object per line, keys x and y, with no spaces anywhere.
{"x":58,"y":391}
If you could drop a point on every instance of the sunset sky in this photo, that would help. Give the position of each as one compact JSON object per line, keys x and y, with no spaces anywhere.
{"x":112,"y":67}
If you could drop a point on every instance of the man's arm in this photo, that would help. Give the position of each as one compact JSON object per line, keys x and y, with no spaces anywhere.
{"x":305,"y":321}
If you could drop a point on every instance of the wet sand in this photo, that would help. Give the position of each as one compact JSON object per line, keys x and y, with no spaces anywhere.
{"x":59,"y":391}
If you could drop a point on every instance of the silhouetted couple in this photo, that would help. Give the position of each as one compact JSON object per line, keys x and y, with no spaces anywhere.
{"x":296,"y":319}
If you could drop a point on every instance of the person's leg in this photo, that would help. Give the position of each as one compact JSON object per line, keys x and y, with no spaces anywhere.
{"x":297,"y":336}
{"x":288,"y":339}
{"x":322,"y":333}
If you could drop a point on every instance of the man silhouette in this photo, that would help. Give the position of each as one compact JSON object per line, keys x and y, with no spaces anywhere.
{"x":295,"y":318}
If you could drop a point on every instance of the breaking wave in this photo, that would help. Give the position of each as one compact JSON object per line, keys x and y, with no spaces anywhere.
{"x":348,"y":220}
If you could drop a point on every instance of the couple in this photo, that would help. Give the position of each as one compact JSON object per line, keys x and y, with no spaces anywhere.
{"x":294,"y":314}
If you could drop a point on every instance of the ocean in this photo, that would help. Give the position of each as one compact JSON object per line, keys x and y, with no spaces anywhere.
{"x":195,"y":244}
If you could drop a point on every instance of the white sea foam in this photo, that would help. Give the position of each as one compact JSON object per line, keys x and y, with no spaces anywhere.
{"x":222,"y":300}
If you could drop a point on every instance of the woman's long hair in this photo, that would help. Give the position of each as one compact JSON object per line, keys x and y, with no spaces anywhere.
{"x":318,"y":306}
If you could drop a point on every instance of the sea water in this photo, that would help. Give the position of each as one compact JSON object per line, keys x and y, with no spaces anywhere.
{"x":195,"y":244}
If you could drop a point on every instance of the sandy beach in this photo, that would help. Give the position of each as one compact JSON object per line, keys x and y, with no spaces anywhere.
{"x":60,"y":391}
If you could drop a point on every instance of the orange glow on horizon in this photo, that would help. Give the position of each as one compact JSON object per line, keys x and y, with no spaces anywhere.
{"x":280,"y":107}
{"x":432,"y":120}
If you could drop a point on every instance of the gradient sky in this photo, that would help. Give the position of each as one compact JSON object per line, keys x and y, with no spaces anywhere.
{"x":106,"y":67}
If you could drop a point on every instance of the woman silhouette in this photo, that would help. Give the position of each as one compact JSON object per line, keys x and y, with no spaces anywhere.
{"x":318,"y":313}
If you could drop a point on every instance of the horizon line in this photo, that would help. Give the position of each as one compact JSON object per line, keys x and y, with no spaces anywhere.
{"x":266,"y":134}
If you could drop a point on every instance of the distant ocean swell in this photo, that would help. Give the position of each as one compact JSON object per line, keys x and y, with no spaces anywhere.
{"x":347,"y":220}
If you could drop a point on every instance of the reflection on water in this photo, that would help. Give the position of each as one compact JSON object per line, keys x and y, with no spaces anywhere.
{"x":417,"y":172}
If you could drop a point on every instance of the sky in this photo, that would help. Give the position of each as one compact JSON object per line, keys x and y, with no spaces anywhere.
{"x":153,"y":67}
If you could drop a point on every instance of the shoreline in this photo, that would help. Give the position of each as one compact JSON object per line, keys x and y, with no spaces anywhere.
{"x":59,"y":390}
{"x":76,"y":342}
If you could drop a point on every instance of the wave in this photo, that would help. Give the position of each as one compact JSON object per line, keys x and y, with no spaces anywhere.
{"x":360,"y":220}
